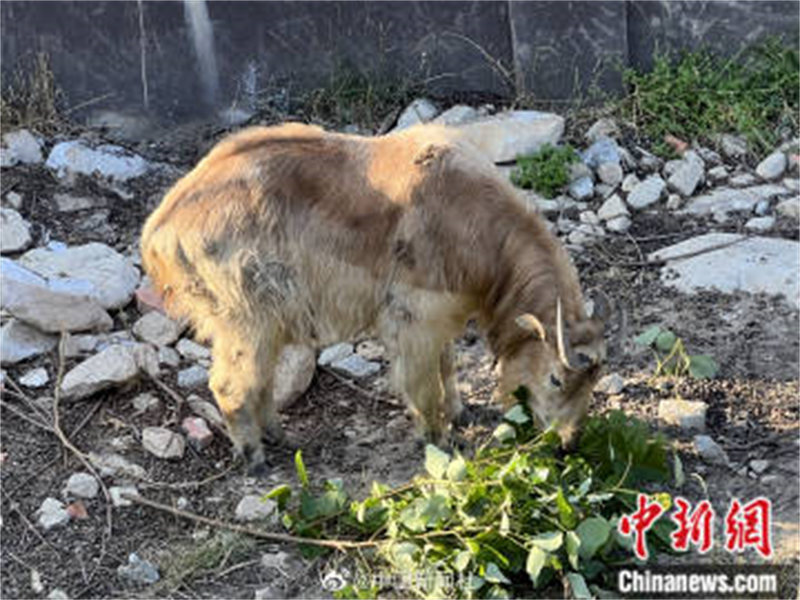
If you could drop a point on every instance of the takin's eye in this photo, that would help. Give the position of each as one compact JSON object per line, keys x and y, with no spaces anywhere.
{"x":555,"y":381}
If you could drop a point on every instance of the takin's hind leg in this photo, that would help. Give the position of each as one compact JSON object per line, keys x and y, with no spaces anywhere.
{"x":240,"y":374}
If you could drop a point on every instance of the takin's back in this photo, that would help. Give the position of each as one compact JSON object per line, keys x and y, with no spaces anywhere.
{"x":295,"y":220}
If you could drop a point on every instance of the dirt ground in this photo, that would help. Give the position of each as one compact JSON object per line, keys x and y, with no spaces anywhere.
{"x":359,"y":431}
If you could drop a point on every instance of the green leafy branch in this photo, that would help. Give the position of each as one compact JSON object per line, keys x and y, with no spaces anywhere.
{"x":671,"y":355}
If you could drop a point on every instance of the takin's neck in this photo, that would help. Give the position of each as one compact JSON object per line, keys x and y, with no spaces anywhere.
{"x":532,"y":273}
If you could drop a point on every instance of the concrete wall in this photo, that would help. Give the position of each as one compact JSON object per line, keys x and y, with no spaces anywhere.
{"x":131,"y":52}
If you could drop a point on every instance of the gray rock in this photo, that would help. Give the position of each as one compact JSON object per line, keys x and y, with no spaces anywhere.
{"x":590,"y":217}
{"x":709,"y":451}
{"x":750,"y":264}
{"x":602,"y":128}
{"x":334,"y":353}
{"x":163,"y":443}
{"x":81,"y":485}
{"x":792,"y":184}
{"x":111,"y":275}
{"x":709,"y":156}
{"x":789,"y":208}
{"x":688,"y":416}
{"x":610,"y":384}
{"x":107,"y":160}
{"x":759,"y":465}
{"x":619,"y":224}
{"x":674,"y":202}
{"x":193,"y":377}
{"x":610,"y":174}
{"x":718,"y":174}
{"x":192,"y":350}
{"x":420,"y":110}
{"x":671,"y":166}
{"x":578,"y":170}
{"x":14,"y":200}
{"x":604,"y":150}
{"x":603,"y":191}
{"x":649,"y":162}
{"x":505,"y":136}
{"x":114,"y":465}
{"x":565,"y":225}
{"x":762,"y":207}
{"x":15,"y":232}
{"x":57,"y":594}
{"x":169,"y":357}
{"x":630,"y":182}
{"x":733,"y":146}
{"x":19,"y":341}
{"x":743,"y":180}
{"x":115,"y":366}
{"x":581,"y":189}
{"x":293,"y":374}
{"x":612,"y":208}
{"x":725,"y":200}
{"x":145,"y":402}
{"x":255,"y":508}
{"x":205,"y":409}
{"x":760,"y":224}
{"x":52,"y":513}
{"x":70,"y":203}
{"x":50,"y":306}
{"x":688,"y":175}
{"x":157,"y":329}
{"x":116,"y":492}
{"x":647,"y":192}
{"x":772,"y":167}
{"x":139,"y":571}
{"x":356,"y":366}
{"x":35,"y":378}
{"x":457,"y":115}
{"x":20,"y":147}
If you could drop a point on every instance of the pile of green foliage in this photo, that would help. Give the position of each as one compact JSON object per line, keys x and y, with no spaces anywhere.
{"x":696,"y":95}
{"x":516,"y":517}
{"x":545,"y":171}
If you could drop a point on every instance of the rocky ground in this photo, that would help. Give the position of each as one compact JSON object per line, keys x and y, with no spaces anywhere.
{"x":706,"y":245}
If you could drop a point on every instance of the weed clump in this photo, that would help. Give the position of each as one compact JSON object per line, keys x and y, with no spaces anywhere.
{"x":697,"y":95}
{"x":31,"y":97}
{"x":546,"y":171}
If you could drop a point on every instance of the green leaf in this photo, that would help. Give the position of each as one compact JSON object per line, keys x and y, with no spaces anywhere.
{"x":665,"y":341}
{"x":578,"y":586}
{"x":573,"y":548}
{"x":550,"y":541}
{"x":702,"y":366}
{"x":302,"y":475}
{"x":457,"y":470}
{"x":648,"y":336}
{"x":517,"y":415}
{"x":403,"y":556}
{"x":537,"y":558}
{"x":281,"y":494}
{"x":425,"y":512}
{"x":461,"y":561}
{"x":593,"y":533}
{"x":505,"y":525}
{"x":493,"y":574}
{"x":680,"y":477}
{"x":504,"y":432}
{"x":566,"y":512}
{"x":436,"y":461}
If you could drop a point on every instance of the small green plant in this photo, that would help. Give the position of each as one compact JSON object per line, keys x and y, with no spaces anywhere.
{"x":671,"y":355}
{"x":546,"y":171}
{"x":516,"y":517}
{"x":696,"y":95}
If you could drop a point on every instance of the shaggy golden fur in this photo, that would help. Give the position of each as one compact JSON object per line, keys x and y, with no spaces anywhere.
{"x":290,"y":234}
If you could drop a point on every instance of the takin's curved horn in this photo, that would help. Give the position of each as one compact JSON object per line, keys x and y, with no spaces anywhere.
{"x":563,"y":345}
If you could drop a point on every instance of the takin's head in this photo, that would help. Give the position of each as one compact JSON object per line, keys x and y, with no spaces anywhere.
{"x":556,"y":370}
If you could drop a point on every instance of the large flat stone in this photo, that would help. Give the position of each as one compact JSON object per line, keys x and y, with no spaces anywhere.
{"x":115,"y":366}
{"x":724,"y":200}
{"x":504,"y":137}
{"x":113,"y":276}
{"x":19,"y":341}
{"x":755,"y":265}
{"x":107,"y":160}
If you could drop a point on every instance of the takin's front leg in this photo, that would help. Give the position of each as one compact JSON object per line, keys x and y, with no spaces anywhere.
{"x":241,"y":380}
{"x":452,"y":399}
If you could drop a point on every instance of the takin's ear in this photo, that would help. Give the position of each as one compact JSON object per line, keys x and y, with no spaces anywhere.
{"x":430,"y":154}
{"x":532,"y":325}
